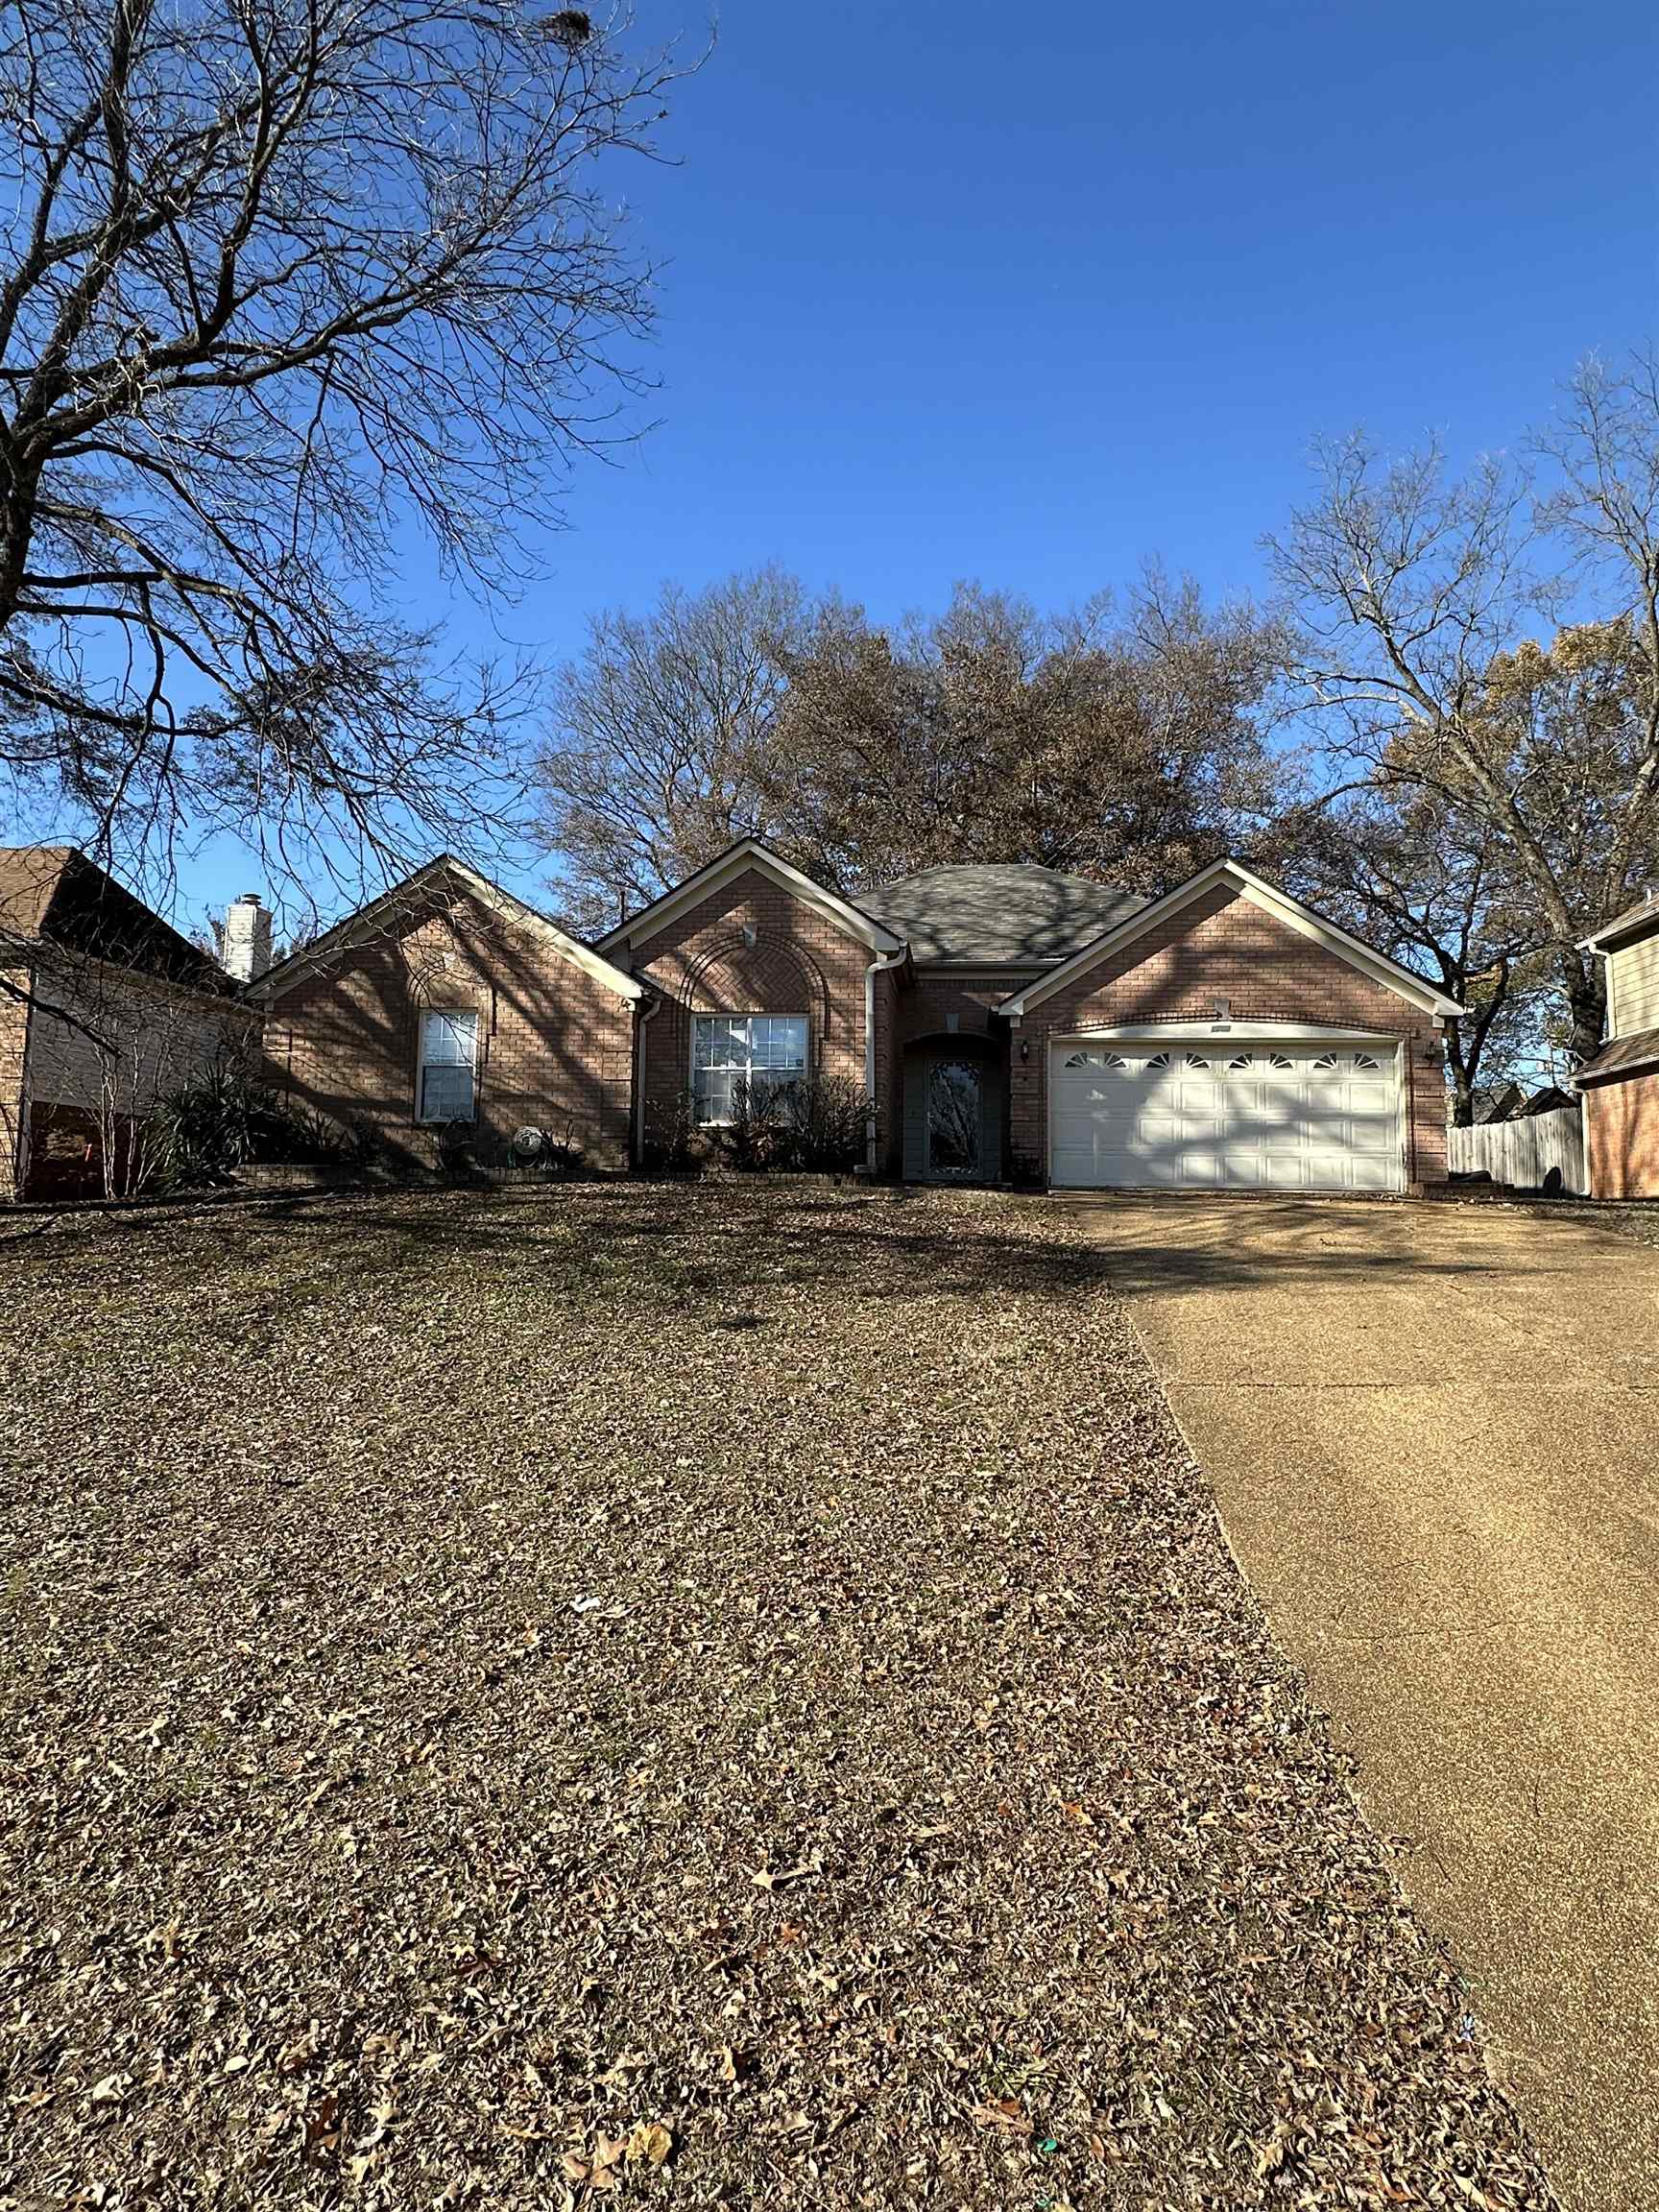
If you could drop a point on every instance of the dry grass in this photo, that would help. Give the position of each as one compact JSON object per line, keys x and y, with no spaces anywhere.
{"x":730,"y":1696}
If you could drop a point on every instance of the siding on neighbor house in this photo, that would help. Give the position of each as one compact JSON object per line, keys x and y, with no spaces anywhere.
{"x":161,"y":1036}
{"x":752,"y":948}
{"x":81,"y":1099}
{"x":1622,"y":1121}
{"x":555,"y":1043}
{"x":1633,"y":988}
{"x":1226,"y":947}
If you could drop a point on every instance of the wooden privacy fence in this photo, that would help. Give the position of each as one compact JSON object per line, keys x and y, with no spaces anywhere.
{"x":1525,"y":1155}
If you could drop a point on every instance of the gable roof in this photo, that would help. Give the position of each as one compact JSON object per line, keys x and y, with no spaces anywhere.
{"x":362,"y":924}
{"x":53,"y":894}
{"x":1016,"y":914}
{"x":725,"y":868}
{"x":1634,"y":921}
{"x":1245,"y":884}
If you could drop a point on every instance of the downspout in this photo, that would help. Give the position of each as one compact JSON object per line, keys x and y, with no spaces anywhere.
{"x":879,"y":966}
{"x":646,"y":1007}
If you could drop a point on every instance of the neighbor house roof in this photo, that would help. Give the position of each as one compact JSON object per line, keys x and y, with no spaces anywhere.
{"x":1621,"y":1056}
{"x":1242,"y":883}
{"x":1634,"y":921}
{"x":403,"y":898}
{"x":726,"y":868}
{"x":1016,"y":914}
{"x":53,"y":894}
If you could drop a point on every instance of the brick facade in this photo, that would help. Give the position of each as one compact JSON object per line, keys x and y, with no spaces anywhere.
{"x":1227,"y":947}
{"x":555,"y":1041}
{"x":934,"y":1005}
{"x":1621,"y":1120}
{"x":560,"y":1046}
{"x":751,"y":946}
{"x":13,"y":1063}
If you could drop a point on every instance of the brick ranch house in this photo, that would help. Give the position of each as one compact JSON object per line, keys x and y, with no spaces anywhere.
{"x":1620,"y":1085}
{"x":1009,"y":1023}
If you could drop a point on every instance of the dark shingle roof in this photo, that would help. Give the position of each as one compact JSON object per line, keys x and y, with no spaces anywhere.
{"x":1011,"y":913}
{"x":30,"y":875}
{"x":54,"y":894}
{"x":1622,"y":1056}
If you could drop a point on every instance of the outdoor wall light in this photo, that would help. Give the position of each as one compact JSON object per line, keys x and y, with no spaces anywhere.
{"x":1024,"y":1048}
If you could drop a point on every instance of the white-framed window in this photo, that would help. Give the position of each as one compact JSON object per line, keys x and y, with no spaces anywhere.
{"x":759,"y":1049}
{"x":449,"y":1064}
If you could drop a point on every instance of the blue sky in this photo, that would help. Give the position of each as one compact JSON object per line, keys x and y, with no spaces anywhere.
{"x":1027,"y":295}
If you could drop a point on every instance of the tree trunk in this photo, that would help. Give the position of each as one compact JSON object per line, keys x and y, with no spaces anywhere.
{"x":1462,"y":1097}
{"x":1581,"y":981}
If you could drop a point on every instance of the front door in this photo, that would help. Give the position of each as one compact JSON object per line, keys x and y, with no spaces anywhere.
{"x":954,"y":1120}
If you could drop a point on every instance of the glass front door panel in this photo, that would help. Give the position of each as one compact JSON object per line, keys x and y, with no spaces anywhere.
{"x":953,"y":1120}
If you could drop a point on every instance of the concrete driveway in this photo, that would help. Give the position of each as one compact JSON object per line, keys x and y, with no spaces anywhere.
{"x":1433,"y":1432}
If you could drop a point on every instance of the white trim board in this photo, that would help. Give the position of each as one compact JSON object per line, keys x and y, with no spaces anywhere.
{"x":1377,"y":966}
{"x":1187,"y":1032}
{"x":357,"y":928}
{"x":749,"y":853}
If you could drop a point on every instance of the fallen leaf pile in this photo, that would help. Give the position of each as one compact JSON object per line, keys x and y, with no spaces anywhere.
{"x":730,"y":1696}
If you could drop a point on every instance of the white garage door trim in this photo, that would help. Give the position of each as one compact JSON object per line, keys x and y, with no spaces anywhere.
{"x":1206,"y":1151}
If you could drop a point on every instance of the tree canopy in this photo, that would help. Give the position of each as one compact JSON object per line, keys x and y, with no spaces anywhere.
{"x":1418,"y":598}
{"x":1124,"y":745}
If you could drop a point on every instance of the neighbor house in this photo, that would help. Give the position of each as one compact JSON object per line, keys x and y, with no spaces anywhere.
{"x":1006,"y":1024}
{"x":1620,"y":1085}
{"x":104,"y":1009}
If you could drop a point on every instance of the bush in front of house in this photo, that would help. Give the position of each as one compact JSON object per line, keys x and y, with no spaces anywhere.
{"x":813,"y":1127}
{"x":673,"y":1142}
{"x":225,"y":1120}
{"x":825,"y":1124}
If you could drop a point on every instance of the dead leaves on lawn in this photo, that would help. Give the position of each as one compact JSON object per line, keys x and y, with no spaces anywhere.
{"x":501,"y":1742}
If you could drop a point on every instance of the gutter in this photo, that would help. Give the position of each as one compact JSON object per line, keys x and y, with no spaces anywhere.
{"x":879,"y":966}
{"x":644,"y":1008}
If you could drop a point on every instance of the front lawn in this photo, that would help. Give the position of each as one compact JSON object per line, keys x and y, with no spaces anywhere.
{"x":727,"y":1696}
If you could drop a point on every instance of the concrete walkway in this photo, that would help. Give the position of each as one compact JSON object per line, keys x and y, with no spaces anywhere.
{"x":1433,"y":1432}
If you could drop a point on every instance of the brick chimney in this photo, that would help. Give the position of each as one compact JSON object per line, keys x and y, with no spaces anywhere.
{"x":246,"y":938}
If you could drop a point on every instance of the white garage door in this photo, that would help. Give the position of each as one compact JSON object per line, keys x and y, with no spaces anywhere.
{"x":1303,"y":1117}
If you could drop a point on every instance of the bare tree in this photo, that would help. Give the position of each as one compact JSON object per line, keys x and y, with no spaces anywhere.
{"x":1415,"y":593}
{"x":279,"y":277}
{"x":655,"y":764}
{"x":1431,"y":890}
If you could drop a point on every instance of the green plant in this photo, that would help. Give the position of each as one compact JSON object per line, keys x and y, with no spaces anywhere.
{"x":454,"y":1146}
{"x":222,"y":1121}
{"x":561,"y":1156}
